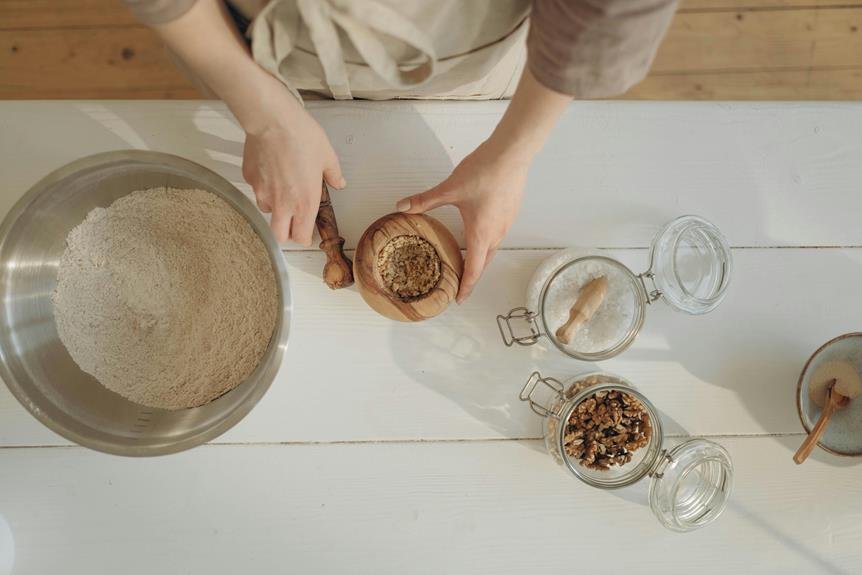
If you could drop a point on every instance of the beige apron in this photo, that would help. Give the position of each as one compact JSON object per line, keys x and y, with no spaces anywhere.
{"x":374,"y":49}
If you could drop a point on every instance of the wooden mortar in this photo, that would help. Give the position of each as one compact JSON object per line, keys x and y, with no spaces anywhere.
{"x":371,"y":285}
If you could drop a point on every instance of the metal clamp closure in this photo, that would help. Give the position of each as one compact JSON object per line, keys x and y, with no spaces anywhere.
{"x":530,"y":387}
{"x":660,"y":465}
{"x":651,"y":294}
{"x":521,"y":313}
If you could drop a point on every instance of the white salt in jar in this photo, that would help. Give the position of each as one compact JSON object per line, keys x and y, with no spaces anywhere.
{"x":690,"y":267}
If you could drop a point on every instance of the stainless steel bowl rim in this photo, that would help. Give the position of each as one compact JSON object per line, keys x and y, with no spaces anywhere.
{"x":242,"y":204}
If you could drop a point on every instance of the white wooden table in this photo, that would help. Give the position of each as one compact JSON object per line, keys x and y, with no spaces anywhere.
{"x":412,"y":453}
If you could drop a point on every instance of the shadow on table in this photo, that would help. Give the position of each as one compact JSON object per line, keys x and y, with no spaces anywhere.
{"x":451,"y":358}
{"x":7,"y":547}
{"x":792,"y":442}
{"x":789,"y":543}
{"x":460,"y":356}
{"x":380,"y":161}
{"x":771,"y":345}
{"x":203,"y":133}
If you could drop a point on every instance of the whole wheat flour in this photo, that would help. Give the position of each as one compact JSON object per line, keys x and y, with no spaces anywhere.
{"x":167,"y":297}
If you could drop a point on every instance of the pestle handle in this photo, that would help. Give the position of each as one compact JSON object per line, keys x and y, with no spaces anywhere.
{"x":338,"y":271}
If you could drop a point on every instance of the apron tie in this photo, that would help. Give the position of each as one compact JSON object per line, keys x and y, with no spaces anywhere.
{"x":362,"y":22}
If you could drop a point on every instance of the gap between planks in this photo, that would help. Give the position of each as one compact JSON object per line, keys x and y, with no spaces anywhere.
{"x":775,"y":8}
{"x":422,"y":441}
{"x":607,"y":248}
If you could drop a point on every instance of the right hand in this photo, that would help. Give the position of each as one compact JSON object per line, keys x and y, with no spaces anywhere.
{"x":286,"y":156}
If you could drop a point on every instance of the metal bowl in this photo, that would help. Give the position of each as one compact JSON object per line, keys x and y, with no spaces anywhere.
{"x":33,"y":361}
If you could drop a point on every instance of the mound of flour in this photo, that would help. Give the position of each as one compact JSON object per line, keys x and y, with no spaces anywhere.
{"x":167,"y":297}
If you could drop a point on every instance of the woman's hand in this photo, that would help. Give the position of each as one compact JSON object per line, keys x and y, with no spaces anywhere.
{"x":286,"y":157}
{"x":486,"y":187}
{"x":287,"y":154}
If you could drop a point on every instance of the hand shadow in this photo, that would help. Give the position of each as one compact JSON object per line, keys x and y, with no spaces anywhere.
{"x":379,"y":168}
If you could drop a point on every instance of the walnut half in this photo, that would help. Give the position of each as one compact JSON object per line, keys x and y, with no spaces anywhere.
{"x":605,"y":429}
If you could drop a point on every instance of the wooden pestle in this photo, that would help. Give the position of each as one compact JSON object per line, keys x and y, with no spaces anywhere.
{"x":589,"y":300}
{"x":338,"y":271}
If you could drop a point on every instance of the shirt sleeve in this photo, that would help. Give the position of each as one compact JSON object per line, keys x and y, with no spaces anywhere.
{"x":153,"y":12}
{"x":595,"y":48}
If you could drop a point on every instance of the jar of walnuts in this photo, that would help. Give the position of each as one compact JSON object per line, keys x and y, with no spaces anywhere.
{"x":609,"y":435}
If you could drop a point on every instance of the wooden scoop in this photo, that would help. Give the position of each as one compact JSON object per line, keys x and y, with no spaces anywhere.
{"x":590,"y":298}
{"x":834,"y":402}
{"x":832,"y":385}
{"x":338,"y":271}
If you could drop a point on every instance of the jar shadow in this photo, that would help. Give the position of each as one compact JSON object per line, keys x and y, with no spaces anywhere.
{"x":757,"y":342}
{"x":446,"y":356}
{"x":789,"y":543}
{"x":792,"y":442}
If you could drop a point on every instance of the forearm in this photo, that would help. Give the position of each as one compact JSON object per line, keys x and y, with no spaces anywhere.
{"x":529,"y":119}
{"x":206,"y":40}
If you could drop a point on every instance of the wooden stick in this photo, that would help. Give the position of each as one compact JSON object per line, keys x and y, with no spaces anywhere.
{"x":338,"y":271}
{"x":589,"y":300}
{"x":834,"y":401}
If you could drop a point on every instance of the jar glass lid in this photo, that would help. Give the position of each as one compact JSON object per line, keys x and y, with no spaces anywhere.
{"x":690,"y":263}
{"x":691,"y":485}
{"x":614,"y":323}
{"x":690,"y":267}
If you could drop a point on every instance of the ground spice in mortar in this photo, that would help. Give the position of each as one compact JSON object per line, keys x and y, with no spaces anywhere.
{"x":605,"y":429}
{"x":167,"y":297}
{"x":409,"y":266}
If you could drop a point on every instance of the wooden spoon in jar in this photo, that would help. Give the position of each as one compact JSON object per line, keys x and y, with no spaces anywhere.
{"x":834,"y":402}
{"x":832,"y":386}
{"x":591,"y":297}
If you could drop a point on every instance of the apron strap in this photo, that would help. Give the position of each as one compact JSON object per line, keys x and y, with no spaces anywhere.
{"x":324,"y":36}
{"x":364,"y":22}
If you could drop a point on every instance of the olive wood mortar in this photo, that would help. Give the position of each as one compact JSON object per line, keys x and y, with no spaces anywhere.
{"x":371,"y":285}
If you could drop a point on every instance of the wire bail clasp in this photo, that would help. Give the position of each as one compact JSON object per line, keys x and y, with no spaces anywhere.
{"x":653,"y":294}
{"x":508,"y":333}
{"x":529,"y":389}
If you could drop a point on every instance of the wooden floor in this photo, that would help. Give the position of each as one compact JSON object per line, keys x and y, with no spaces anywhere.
{"x":716,"y":49}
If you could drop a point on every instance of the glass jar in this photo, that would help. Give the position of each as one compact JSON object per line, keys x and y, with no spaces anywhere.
{"x":689,"y":485}
{"x":690,"y":268}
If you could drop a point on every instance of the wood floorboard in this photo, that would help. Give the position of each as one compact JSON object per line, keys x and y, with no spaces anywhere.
{"x":715,"y":49}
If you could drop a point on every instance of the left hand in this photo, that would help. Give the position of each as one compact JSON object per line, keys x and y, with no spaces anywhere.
{"x":486,"y":187}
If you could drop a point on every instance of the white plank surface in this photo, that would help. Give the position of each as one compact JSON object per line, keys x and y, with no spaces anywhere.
{"x":413,"y":453}
{"x":486,"y":507}
{"x":611,"y":174}
{"x":733,"y":371}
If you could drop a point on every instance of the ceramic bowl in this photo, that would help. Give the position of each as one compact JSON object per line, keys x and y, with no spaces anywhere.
{"x":843,"y":435}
